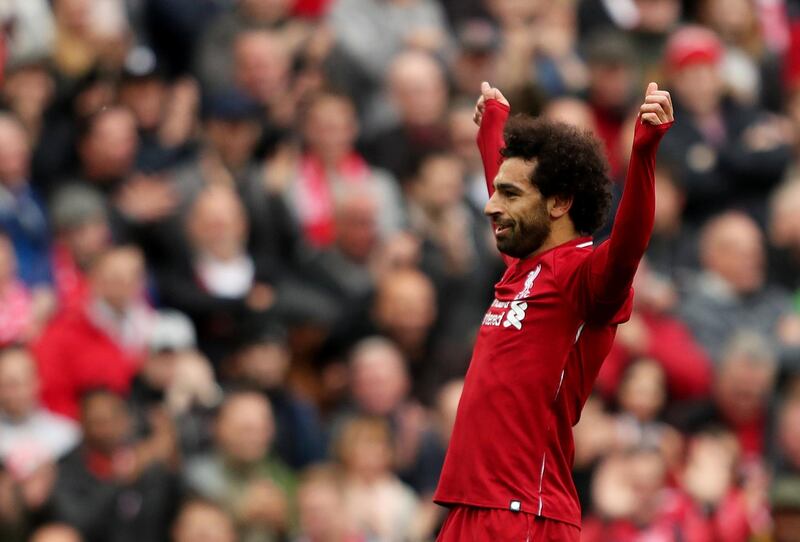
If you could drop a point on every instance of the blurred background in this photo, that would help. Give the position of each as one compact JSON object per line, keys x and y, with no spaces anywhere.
{"x":243,"y":262}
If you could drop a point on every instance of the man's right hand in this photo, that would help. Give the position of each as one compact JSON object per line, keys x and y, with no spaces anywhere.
{"x":488,"y":92}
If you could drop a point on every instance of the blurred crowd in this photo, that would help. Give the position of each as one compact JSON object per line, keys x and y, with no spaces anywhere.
{"x":243,"y":262}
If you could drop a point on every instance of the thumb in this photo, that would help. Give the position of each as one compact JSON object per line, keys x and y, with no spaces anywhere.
{"x":486,"y":90}
{"x":651,"y":88}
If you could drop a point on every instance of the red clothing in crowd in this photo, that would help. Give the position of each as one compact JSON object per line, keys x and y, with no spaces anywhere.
{"x":678,"y":519}
{"x":75,"y":355}
{"x":71,"y":283}
{"x":686,"y":365}
{"x":16,"y":313}
{"x":539,"y":349}
{"x":310,"y":8}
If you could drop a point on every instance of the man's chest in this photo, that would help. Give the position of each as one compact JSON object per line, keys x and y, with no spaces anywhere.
{"x":527,"y":303}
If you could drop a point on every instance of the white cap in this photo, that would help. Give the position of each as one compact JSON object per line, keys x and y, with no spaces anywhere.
{"x":172,"y":330}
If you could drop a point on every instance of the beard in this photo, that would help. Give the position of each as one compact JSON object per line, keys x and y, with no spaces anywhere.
{"x":527,"y":234}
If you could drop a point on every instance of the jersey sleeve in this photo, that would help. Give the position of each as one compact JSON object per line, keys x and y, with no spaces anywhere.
{"x":599,"y":284}
{"x":490,"y":140}
{"x":490,"y":143}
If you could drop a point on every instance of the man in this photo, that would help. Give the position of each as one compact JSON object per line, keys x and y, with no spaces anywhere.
{"x":241,"y":475}
{"x":507,"y":474}
{"x":113,"y":488}
{"x":100,"y":343}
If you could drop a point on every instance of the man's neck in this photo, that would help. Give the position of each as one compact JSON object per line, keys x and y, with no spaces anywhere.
{"x":559,"y":234}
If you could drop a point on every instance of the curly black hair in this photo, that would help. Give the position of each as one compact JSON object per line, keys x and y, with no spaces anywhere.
{"x":569,"y":163}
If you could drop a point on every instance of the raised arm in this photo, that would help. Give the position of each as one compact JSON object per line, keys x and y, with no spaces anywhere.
{"x":491,"y":113}
{"x":614,"y":263}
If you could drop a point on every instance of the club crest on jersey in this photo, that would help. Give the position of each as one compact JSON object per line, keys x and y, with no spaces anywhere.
{"x":514,"y":311}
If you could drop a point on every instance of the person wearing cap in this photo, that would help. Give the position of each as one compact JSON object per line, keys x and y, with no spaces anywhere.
{"x":175,"y":387}
{"x":725,"y":154}
{"x":612,"y":64}
{"x":79,"y":220}
{"x":231,"y":128}
{"x":165,"y":111}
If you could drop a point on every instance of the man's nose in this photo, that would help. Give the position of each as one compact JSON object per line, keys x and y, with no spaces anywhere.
{"x":491,"y":208}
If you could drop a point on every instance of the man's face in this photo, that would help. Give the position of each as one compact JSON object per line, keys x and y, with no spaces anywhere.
{"x":14,"y":154}
{"x":109,"y":150}
{"x":245,"y":429}
{"x":699,"y":87}
{"x":518,"y":211}
{"x":119,"y":278}
{"x":105,"y":422}
{"x":19,"y":385}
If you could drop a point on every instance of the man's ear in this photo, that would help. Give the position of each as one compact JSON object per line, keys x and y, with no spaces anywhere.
{"x":558,"y":206}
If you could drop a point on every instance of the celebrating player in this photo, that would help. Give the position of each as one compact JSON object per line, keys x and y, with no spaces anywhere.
{"x":507,"y":475}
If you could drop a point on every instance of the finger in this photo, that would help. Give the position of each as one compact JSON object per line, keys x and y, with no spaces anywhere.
{"x":662,"y":100}
{"x":651,"y":118}
{"x":651,"y":88}
{"x":486,"y":90}
{"x":656,"y":109}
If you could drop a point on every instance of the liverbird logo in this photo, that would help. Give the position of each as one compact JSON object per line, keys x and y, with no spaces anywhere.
{"x":517,"y":308}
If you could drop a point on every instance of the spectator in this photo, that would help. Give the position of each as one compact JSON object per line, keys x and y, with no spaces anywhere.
{"x":612,"y":78}
{"x":403,"y":310}
{"x":345,"y":270}
{"x":112,"y":488}
{"x":539,"y":53}
{"x":783,"y":233}
{"x":672,"y":252}
{"x":631,"y":496}
{"x":262,"y":70}
{"x":81,"y":234}
{"x":785,"y":509}
{"x":417,"y":88}
{"x":263,"y":362}
{"x":165,"y":112}
{"x":56,"y":532}
{"x":31,"y":441}
{"x":215,"y":281}
{"x":21,"y":213}
{"x":102,"y":342}
{"x":370,"y":34}
{"x":107,"y":149}
{"x":28,"y":91}
{"x":330,"y":166}
{"x":787,"y":460}
{"x":215,"y":48}
{"x":30,"y":436}
{"x":727,"y":155}
{"x":18,"y":322}
{"x":741,"y":393}
{"x":456,"y":252}
{"x":641,"y":398}
{"x":653,"y":332}
{"x":320,"y":503}
{"x":241,"y":476}
{"x":751,"y":70}
{"x":375,"y":500}
{"x":731,"y":293}
{"x":475,"y":58}
{"x":175,"y":383}
{"x":202,"y":521}
{"x":231,"y":131}
{"x":379,"y":387}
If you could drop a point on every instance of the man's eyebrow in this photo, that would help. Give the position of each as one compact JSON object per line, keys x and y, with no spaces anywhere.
{"x":507,"y":187}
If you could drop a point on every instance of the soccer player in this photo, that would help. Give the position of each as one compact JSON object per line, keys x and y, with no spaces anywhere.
{"x":508,"y":471}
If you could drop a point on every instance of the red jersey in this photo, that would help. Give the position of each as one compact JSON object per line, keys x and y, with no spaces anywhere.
{"x":539,"y":350}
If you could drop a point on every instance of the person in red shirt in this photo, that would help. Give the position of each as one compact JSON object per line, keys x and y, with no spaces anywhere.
{"x":507,"y":474}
